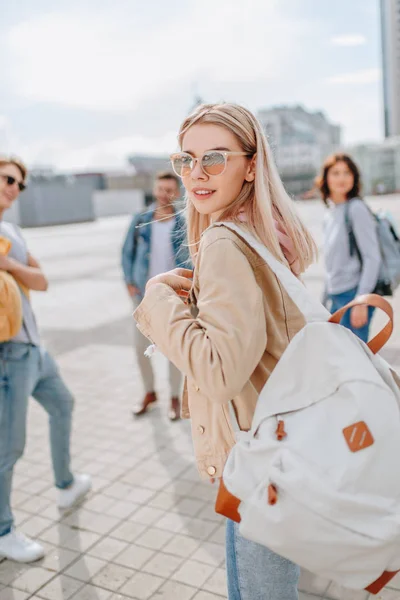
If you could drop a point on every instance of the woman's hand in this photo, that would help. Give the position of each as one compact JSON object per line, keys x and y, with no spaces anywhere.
{"x":359,"y":316}
{"x":180,"y":280}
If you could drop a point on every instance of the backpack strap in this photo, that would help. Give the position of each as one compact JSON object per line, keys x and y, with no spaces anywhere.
{"x":311,"y":308}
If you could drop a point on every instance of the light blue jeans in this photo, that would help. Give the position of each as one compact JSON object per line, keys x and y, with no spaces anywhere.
{"x":27,"y":370}
{"x":256,"y":573}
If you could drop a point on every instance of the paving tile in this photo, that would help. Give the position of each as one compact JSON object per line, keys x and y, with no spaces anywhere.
{"x":147,"y":515}
{"x":210,"y":553}
{"x":57,"y":534}
{"x":218,"y":536}
{"x":134,"y":557}
{"x":140,"y":495}
{"x":208,"y":596}
{"x":90,"y":521}
{"x":199,"y":528}
{"x":121,"y":509}
{"x":90,"y":592}
{"x":58,"y":559}
{"x":171,"y":522}
{"x":85,"y":568}
{"x":142,"y":586}
{"x":193,"y":573}
{"x":107,"y":548}
{"x":8,"y":593}
{"x":182,"y":545}
{"x":154,"y":538}
{"x":217,"y":583}
{"x":81,"y":541}
{"x":189,"y":507}
{"x":34,"y":526}
{"x":60,"y":588}
{"x":163,"y":500}
{"x":10,"y":570}
{"x":163,"y":565}
{"x":128,"y":531}
{"x":99,"y":503}
{"x":112,"y":577}
{"x":32,"y":580}
{"x":172,"y":590}
{"x":34,"y":504}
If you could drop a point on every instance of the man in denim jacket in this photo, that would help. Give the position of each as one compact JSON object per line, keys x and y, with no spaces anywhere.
{"x":155,"y":243}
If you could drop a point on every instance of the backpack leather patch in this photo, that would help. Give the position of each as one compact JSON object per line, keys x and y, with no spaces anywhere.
{"x":358,"y":436}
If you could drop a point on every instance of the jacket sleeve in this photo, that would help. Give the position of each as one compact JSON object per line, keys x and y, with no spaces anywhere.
{"x":365,"y":232}
{"x":129,"y":251}
{"x":220,"y":348}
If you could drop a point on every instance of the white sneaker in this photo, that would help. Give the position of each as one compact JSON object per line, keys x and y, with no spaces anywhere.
{"x":18,"y":547}
{"x":81,"y":485}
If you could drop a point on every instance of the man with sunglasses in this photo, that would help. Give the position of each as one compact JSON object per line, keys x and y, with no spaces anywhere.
{"x":27,"y":369}
{"x":155,"y":244}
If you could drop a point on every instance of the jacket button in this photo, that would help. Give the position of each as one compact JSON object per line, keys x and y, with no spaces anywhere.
{"x":200,"y":429}
{"x":211,"y":470}
{"x":196,"y":387}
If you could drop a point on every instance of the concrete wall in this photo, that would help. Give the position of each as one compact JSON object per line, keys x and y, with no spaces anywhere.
{"x":56,"y":201}
{"x":108,"y":203}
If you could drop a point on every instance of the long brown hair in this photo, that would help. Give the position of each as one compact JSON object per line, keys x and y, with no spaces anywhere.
{"x":322,"y":181}
{"x":263,"y":200}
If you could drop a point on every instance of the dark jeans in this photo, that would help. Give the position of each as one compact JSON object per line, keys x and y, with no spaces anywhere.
{"x":339,"y":300}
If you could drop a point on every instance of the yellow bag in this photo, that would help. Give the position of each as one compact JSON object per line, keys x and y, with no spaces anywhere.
{"x":11,"y":314}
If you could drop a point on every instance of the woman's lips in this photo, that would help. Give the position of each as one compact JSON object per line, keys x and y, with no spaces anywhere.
{"x":202,"y":193}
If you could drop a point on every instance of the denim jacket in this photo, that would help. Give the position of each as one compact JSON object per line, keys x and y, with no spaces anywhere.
{"x":137,"y":247}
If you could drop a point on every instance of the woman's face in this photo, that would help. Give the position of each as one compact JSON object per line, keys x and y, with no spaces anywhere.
{"x":340,"y":180}
{"x":212,"y":194}
{"x":9,"y":193}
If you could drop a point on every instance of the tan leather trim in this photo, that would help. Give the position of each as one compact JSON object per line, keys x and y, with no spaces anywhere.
{"x":226,"y":504}
{"x":375,"y":301}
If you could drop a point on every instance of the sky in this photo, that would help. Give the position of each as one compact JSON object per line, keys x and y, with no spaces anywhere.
{"x":85,"y":83}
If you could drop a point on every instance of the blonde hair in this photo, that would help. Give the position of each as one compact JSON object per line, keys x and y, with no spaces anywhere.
{"x":262,"y":200}
{"x":13,"y":160}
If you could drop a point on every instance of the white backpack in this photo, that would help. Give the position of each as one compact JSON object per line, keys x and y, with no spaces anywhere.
{"x":318,"y":474}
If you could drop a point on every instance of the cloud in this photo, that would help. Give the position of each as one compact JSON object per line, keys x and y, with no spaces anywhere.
{"x":354,"y":39}
{"x":109,"y":154}
{"x":363,"y":76}
{"x":102,"y":62}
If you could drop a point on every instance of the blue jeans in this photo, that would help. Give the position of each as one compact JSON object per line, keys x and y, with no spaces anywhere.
{"x":256,"y":573}
{"x":27,"y":370}
{"x":340,"y":300}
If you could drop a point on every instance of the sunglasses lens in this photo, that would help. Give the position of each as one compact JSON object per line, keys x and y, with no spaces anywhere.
{"x":22,"y":187}
{"x":182,"y":164}
{"x":213,"y":163}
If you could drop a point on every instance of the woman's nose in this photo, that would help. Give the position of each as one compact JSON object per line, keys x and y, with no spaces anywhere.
{"x":197,"y":171}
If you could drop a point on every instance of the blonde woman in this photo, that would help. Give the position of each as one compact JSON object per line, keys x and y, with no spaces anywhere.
{"x":240,"y":320}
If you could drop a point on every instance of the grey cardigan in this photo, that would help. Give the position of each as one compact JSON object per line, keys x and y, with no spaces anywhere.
{"x":343,"y":271}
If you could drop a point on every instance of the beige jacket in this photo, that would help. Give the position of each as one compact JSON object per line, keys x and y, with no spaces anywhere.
{"x":226,"y":344}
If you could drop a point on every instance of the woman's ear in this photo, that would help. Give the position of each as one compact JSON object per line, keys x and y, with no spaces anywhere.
{"x":251,"y":169}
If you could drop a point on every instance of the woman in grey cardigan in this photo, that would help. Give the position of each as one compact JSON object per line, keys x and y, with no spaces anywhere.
{"x":351,"y":245}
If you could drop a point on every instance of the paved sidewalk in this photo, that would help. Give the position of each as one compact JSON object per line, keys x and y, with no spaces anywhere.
{"x":148,"y":530}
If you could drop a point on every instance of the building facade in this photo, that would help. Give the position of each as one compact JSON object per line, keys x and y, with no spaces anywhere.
{"x":379,"y":165}
{"x":390,"y":36}
{"x":300,"y":141}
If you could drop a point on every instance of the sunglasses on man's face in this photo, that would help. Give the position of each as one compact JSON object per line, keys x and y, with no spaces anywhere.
{"x":211,"y":163}
{"x":11,"y":180}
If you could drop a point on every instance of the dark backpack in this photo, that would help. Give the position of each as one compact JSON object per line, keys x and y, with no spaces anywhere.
{"x":389,"y":244}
